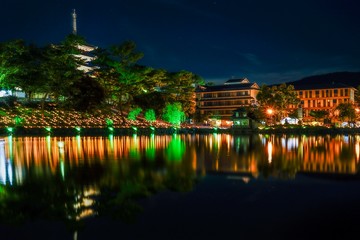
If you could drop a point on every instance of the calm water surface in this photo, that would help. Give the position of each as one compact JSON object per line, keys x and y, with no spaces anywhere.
{"x":214,"y":186}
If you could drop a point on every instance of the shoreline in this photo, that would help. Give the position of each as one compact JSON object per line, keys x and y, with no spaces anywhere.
{"x":105,"y":131}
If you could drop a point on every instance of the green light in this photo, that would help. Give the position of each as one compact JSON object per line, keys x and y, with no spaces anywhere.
{"x":62,"y":170}
{"x":175,"y":150}
{"x":10,"y":129}
{"x":134,"y":113}
{"x":48,"y":129}
{"x":18,"y":120}
{"x":135,"y":128}
{"x":78,"y":129}
{"x":150,"y":115}
{"x":150,"y":150}
{"x":111,"y":139}
{"x":215,"y":129}
{"x":173,"y":114}
{"x":111,"y":129}
{"x":152,"y":128}
{"x":109,"y":122}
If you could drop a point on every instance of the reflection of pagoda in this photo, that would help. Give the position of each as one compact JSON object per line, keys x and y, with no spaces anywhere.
{"x":86,"y":51}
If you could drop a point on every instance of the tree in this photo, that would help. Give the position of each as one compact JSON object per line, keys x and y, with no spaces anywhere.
{"x":173,"y":114}
{"x":278,"y":97}
{"x":14,"y":59}
{"x":58,"y":72}
{"x":180,"y":87}
{"x":85,"y":94}
{"x":346,"y":112}
{"x":134,"y":113}
{"x":119,"y":73}
{"x":319,"y":114}
{"x":150,"y":115}
{"x":357,"y":96}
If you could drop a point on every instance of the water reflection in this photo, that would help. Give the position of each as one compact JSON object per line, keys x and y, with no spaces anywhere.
{"x":70,"y":178}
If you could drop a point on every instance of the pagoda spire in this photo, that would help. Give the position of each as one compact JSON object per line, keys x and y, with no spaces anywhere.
{"x":74,"y":29}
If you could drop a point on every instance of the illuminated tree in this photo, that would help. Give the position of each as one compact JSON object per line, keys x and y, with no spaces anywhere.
{"x":173,"y":114}
{"x":180,"y":87}
{"x":119,"y":73}
{"x":58,"y":73}
{"x":150,"y":115}
{"x":278,"y":97}
{"x":346,"y":112}
{"x":134,"y":113}
{"x":16,"y":59}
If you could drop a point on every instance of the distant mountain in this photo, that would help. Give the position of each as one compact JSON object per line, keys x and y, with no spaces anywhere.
{"x":347,"y":78}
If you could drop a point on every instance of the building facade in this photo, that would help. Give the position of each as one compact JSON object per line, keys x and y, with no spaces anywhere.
{"x":324,"y":97}
{"x":219,"y":102}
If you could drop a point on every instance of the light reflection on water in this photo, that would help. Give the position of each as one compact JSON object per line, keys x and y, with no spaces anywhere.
{"x":200,"y":153}
{"x":74,"y":176}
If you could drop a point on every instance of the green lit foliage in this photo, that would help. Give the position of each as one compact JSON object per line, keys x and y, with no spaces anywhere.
{"x":18,"y":121}
{"x":109,"y":122}
{"x":14,"y":57}
{"x":180,"y":87}
{"x":134,"y":113}
{"x":119,"y":73}
{"x":173,"y":114}
{"x":278,"y":98}
{"x":150,"y":115}
{"x":152,"y":96}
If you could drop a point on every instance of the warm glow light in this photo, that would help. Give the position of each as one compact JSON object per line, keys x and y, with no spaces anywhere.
{"x":269,"y":111}
{"x":270,"y":151}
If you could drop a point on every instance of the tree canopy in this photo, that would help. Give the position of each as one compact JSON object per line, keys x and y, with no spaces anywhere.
{"x":278,"y":98}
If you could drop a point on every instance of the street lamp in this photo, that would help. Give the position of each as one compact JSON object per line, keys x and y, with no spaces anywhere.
{"x":270,"y":112}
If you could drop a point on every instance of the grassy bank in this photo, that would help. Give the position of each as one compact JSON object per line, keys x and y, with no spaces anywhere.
{"x":21,"y":121}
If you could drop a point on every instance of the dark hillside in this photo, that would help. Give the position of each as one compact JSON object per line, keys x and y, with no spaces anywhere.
{"x":347,"y":78}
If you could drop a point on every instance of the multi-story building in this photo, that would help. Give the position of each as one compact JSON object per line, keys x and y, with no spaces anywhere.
{"x":219,"y":101}
{"x":324,"y":97}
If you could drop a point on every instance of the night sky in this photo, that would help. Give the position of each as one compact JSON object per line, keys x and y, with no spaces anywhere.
{"x":265,"y":41}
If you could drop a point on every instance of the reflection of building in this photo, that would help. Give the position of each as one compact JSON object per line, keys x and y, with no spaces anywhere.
{"x":6,"y":170}
{"x":219,"y":101}
{"x":325,"y":96}
{"x":240,"y":118}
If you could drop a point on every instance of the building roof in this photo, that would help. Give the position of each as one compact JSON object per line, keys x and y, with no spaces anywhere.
{"x":228,"y":87}
{"x":321,"y":86}
{"x":237,"y":81}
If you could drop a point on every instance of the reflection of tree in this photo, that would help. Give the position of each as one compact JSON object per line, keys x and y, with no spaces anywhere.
{"x":175,"y":150}
{"x":79,"y":195}
{"x":39,"y":198}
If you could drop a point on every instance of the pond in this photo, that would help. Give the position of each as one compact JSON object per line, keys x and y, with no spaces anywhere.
{"x":180,"y":186}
